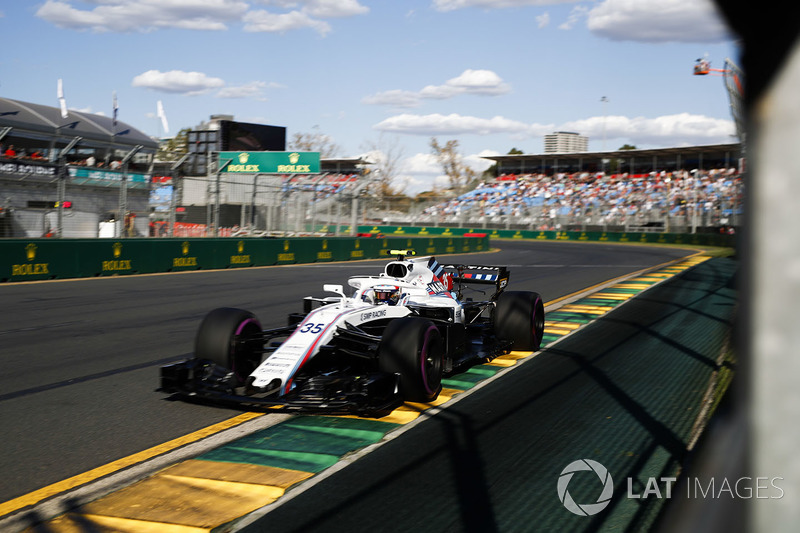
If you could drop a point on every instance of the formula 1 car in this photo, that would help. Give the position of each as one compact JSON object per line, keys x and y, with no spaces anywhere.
{"x":391,"y":341}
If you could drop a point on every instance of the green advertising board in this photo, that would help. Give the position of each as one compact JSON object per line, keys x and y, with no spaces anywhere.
{"x":97,"y":175}
{"x":269,"y":162}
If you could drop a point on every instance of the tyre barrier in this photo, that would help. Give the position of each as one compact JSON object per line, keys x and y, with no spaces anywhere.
{"x":696,"y":239}
{"x":43,"y":259}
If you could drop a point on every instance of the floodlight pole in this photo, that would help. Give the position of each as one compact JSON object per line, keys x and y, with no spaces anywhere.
{"x":173,"y":199}
{"x":253,"y":204}
{"x":123,"y":188}
{"x":314,"y":201}
{"x":222,"y":167}
{"x":62,"y":185}
{"x":605,"y":105}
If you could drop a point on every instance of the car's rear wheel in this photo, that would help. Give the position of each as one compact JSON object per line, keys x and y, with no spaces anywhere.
{"x":223,"y":339}
{"x":414,"y":349}
{"x":519,"y":316}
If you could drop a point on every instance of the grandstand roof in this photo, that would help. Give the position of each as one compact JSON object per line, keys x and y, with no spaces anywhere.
{"x":686,"y":153}
{"x":36,"y":121}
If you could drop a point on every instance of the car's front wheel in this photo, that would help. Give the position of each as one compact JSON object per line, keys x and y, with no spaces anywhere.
{"x":413,"y":348}
{"x":223,"y":339}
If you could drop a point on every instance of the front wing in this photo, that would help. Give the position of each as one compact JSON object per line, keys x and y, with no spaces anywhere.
{"x":367,"y":394}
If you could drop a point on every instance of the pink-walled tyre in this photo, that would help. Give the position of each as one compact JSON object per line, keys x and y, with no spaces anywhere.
{"x":414,"y":349}
{"x":519,"y":316}
{"x":222,"y":339}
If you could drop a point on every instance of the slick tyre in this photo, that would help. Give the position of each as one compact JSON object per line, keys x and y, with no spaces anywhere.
{"x":519,"y":316}
{"x":222,"y":339}
{"x":414,"y":349}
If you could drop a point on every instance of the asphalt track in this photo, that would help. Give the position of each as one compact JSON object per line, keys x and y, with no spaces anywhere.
{"x":80,"y":357}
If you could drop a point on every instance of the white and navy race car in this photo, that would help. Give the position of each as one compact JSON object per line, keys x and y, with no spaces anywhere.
{"x":391,"y":340}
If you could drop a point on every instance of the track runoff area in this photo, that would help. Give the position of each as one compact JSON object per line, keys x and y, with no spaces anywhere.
{"x":239,"y":482}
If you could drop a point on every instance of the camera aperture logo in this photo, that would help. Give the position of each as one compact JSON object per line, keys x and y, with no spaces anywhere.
{"x":585,"y":509}
{"x":744,"y":488}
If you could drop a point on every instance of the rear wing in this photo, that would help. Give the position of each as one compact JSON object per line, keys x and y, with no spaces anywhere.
{"x":480,"y":274}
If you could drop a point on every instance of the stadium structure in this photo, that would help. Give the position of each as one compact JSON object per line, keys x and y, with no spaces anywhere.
{"x":637,"y":161}
{"x":73,"y":175}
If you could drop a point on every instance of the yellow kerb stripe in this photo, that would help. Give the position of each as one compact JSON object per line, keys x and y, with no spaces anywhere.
{"x":81,"y":479}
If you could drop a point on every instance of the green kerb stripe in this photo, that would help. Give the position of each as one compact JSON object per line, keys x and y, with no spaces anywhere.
{"x":302,"y":461}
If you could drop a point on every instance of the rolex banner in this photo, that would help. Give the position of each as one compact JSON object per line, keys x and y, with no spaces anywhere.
{"x":269,"y":162}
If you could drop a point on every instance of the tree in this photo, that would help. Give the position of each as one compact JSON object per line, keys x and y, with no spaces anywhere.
{"x":174,"y":148}
{"x":315,"y":142}
{"x":616,"y":164}
{"x":385,"y":154}
{"x":458,"y":174}
{"x":491,"y":172}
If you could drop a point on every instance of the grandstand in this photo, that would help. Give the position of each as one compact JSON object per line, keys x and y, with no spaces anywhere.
{"x":639,"y":161}
{"x":65,"y":176}
{"x":684,"y":189}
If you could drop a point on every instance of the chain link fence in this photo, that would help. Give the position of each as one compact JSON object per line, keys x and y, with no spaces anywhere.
{"x":263,"y":205}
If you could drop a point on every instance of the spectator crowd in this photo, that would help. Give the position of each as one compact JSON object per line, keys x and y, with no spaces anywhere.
{"x":713,"y":197}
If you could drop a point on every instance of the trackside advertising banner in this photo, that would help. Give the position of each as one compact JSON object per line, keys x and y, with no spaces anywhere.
{"x":41,"y":259}
{"x":269,"y":162}
{"x":699,"y":239}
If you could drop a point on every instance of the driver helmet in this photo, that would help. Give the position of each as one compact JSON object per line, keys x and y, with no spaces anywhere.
{"x":386,"y":294}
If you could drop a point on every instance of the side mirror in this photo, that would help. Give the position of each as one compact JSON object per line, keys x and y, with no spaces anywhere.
{"x":338,"y":289}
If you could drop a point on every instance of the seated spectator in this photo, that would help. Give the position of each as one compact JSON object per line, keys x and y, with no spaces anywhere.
{"x":10,"y":153}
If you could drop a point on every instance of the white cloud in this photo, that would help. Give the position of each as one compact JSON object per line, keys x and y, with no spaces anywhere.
{"x":658,"y":21}
{"x":480,"y":82}
{"x":144,"y":15}
{"x":334,"y":8}
{"x":575,"y":15}
{"x":477,"y":162}
{"x":542,"y":20}
{"x":691,"y":21}
{"x":421,"y":172}
{"x":150,"y":15}
{"x":254,"y":89}
{"x":418,"y":173}
{"x":421,"y":164}
{"x":264,"y":21}
{"x":669,"y":130}
{"x":477,"y":82}
{"x":451,"y":5}
{"x":393,"y":98}
{"x":454,"y":124}
{"x":177,"y":81}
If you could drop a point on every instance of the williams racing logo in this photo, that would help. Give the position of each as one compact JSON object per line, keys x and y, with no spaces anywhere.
{"x":436,"y":287}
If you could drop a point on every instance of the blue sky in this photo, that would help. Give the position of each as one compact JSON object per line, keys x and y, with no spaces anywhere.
{"x":491,"y":74}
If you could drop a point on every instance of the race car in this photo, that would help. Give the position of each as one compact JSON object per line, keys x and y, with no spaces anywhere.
{"x":391,"y":340}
